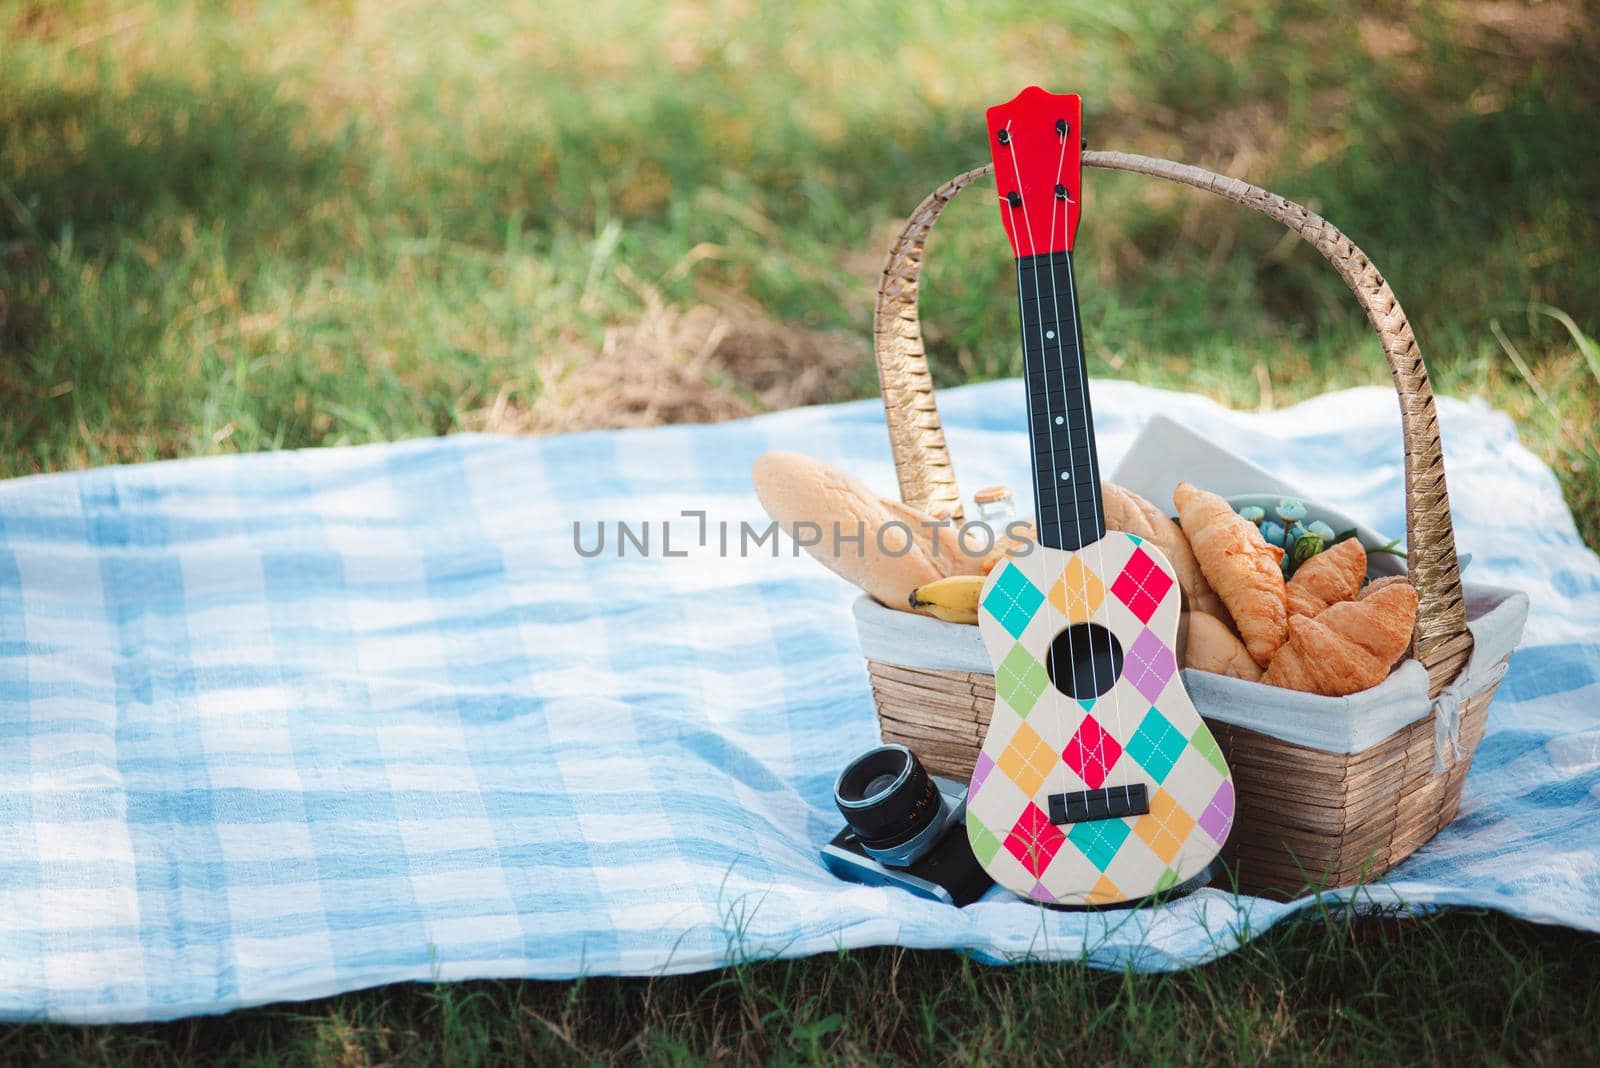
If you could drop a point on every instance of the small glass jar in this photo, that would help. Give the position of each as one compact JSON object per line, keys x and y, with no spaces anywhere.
{"x":995,"y":505}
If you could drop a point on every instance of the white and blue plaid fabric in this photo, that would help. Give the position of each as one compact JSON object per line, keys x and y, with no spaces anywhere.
{"x":278,"y":726}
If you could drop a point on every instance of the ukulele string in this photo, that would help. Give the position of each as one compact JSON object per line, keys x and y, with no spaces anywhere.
{"x":1055,"y":483}
{"x":1089,"y":444}
{"x":1077,"y":514}
{"x":1077,"y":519}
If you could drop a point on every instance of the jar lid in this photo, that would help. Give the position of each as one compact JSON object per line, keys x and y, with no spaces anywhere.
{"x":991,"y":494}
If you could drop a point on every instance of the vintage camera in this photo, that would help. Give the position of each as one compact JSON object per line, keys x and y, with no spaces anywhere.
{"x":904,"y":828}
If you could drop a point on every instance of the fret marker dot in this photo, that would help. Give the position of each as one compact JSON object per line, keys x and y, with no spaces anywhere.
{"x":1065,"y":475}
{"x":1050,"y":335}
{"x":1059,"y":420}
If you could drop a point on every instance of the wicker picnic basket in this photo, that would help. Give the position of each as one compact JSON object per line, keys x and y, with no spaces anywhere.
{"x":1344,"y":817}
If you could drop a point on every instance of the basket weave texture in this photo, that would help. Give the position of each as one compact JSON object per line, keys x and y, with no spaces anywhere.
{"x":1345,"y":817}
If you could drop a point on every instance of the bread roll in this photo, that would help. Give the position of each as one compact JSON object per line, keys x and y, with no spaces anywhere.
{"x":798,"y":490}
{"x":1008,"y":540}
{"x":940,"y":538}
{"x":1213,"y":647}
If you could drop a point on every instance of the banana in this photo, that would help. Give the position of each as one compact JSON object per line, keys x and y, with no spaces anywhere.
{"x":953,"y":599}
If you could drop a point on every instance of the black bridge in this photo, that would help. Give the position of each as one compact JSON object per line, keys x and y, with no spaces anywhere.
{"x":1106,"y":803}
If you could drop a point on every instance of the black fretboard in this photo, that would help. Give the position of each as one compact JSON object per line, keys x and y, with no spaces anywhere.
{"x":1059,"y":419}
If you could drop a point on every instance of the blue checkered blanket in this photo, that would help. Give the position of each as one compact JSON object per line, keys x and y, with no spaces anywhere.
{"x":278,"y":726}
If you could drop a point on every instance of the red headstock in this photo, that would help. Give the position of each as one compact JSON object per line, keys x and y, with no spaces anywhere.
{"x":1038,"y":164}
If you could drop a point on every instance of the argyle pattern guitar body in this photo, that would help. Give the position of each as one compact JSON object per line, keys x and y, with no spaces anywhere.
{"x":1142,"y":730}
{"x":1098,"y":782}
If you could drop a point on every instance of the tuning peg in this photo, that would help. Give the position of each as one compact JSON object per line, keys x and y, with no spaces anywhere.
{"x":1062,"y":126}
{"x":1004,"y":137}
{"x":1014,"y":198}
{"x":1061,"y":192}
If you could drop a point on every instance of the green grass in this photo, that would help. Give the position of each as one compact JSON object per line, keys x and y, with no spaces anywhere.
{"x":1460,"y":988}
{"x":235,"y":227}
{"x":230,"y":227}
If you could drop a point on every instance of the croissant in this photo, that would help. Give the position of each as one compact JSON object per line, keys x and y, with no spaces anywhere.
{"x":1350,"y":646}
{"x":1240,"y":567}
{"x":1128,"y":512}
{"x":1327,"y":578}
{"x":1213,"y":647}
{"x":1379,"y":583}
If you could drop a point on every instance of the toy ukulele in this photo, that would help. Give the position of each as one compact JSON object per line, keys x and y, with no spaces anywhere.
{"x":1098,"y":782}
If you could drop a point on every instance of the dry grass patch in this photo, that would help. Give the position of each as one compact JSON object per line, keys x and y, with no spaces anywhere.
{"x":707,"y":364}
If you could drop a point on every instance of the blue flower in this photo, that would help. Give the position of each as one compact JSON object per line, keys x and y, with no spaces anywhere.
{"x":1290,"y":509}
{"x":1321,"y":530}
{"x":1273,"y":533}
{"x":1253,"y":512}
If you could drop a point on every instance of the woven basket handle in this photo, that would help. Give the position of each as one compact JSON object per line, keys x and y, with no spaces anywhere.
{"x":922,"y":460}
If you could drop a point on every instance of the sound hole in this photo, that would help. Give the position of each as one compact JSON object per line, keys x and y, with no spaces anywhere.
{"x":1091,"y":661}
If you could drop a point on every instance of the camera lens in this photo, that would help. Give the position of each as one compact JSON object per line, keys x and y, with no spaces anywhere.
{"x":891,"y":803}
